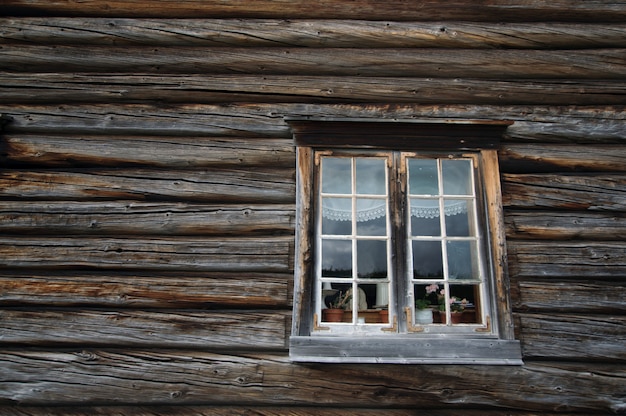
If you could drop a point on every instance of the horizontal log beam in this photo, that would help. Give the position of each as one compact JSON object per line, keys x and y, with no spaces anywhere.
{"x":427,"y":62}
{"x":570,"y":124}
{"x":548,"y":157}
{"x":574,"y":337}
{"x":567,"y":259}
{"x":155,"y":289}
{"x":588,"y":296}
{"x":95,"y":88}
{"x":159,"y":152}
{"x":195,"y":254}
{"x":492,"y":10}
{"x":143,"y":218}
{"x":317,"y":33}
{"x":180,"y":329}
{"x":600,"y":192}
{"x":554,"y":225}
{"x":195,"y":377}
{"x":225,"y":186}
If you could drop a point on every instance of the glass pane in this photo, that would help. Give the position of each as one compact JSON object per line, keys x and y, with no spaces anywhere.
{"x":336,"y":175}
{"x":425,"y":296}
{"x":458,"y":212}
{"x":423,"y":178}
{"x":457,"y":175}
{"x":464,"y":300}
{"x":371,"y":216}
{"x":337,"y":258}
{"x":371,"y":259}
{"x":337,"y":216}
{"x":370,"y":177}
{"x":381,"y":300}
{"x":427,"y":261}
{"x":461,"y":265}
{"x":425,"y":217}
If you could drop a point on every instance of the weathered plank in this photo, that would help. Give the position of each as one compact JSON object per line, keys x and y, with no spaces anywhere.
{"x":574,"y":337}
{"x":584,"y":296}
{"x":207,"y":185}
{"x":268,"y":254}
{"x":143,"y":218}
{"x":567,"y":259}
{"x":556,"y":225}
{"x":170,"y":152}
{"x":546,"y":158}
{"x":467,"y":10}
{"x":94,"y":88}
{"x":412,"y":62}
{"x":133,"y":328}
{"x":599,"y":124}
{"x":195,"y":377}
{"x":601,"y":192}
{"x":152,"y":289}
{"x":317,"y":33}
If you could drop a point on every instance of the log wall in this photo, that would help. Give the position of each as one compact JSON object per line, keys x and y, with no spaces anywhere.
{"x":147,"y":191}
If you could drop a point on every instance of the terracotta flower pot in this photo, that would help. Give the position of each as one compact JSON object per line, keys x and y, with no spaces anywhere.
{"x":332,"y":315}
{"x":456,"y":317}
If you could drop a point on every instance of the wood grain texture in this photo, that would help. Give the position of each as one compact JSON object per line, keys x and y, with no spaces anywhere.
{"x":411,"y":62}
{"x":312,"y":33}
{"x":263,"y":254}
{"x":492,"y":10}
{"x":555,"y":226}
{"x":537,"y":158}
{"x":193,"y":377}
{"x":119,"y":290}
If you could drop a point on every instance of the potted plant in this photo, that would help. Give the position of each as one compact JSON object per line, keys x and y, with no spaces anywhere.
{"x":334,"y":312}
{"x":423,"y":312}
{"x":457,"y":306}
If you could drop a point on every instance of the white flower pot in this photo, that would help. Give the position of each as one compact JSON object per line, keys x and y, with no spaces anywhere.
{"x":424,"y":316}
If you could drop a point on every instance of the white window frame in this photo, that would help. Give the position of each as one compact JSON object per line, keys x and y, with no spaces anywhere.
{"x":490,"y":342}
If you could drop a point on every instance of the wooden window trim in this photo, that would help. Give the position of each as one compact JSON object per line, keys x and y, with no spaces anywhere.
{"x":499,"y":347}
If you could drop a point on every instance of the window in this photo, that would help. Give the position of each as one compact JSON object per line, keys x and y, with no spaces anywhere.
{"x":400,"y":247}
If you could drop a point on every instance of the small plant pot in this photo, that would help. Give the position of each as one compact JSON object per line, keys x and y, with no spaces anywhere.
{"x":423,"y":316}
{"x":384,"y":316}
{"x":455,"y":317}
{"x":332,"y":315}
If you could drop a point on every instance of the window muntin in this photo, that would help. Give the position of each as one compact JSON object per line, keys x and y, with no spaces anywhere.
{"x":355,"y":235}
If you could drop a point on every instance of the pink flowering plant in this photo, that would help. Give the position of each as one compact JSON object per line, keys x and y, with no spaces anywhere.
{"x":425,"y":302}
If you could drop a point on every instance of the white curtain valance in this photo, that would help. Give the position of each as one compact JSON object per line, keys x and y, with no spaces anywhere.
{"x":340,"y":209}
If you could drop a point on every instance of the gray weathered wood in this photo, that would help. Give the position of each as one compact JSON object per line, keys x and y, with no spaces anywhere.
{"x":318,"y":33}
{"x":467,"y":10}
{"x":143,"y":218}
{"x":150,"y":289}
{"x":154,"y":151}
{"x":578,"y":296}
{"x":73,"y":88}
{"x":134,"y":328}
{"x":574,"y":337}
{"x":207,"y":185}
{"x":551,"y":157}
{"x":144,"y":377}
{"x":263,"y":254}
{"x":569,"y":191}
{"x":567,"y":259}
{"x":426,"y":62}
{"x":555,"y":225}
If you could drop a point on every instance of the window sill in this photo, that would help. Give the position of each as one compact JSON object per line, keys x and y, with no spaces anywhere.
{"x":404,"y":350}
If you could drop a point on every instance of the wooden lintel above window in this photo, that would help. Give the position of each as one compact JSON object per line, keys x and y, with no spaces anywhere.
{"x":429,"y":134}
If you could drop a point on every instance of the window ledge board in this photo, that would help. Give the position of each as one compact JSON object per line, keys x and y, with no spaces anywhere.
{"x":404,"y":350}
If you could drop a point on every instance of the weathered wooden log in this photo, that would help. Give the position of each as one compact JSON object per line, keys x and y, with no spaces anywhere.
{"x":133,"y":328}
{"x":571,"y":259}
{"x":467,"y":10}
{"x":547,"y":158}
{"x":196,"y":377}
{"x":155,"y":289}
{"x":143,"y":218}
{"x":558,"y":225}
{"x":209,"y":185}
{"x":317,"y":33}
{"x":161,"y":152}
{"x":174,"y":254}
{"x":600,"y":192}
{"x":94,"y":88}
{"x":600,"y":124}
{"x":574,"y":337}
{"x":414,"y":62}
{"x":586,"y":296}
